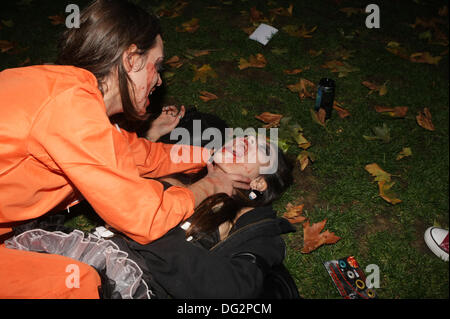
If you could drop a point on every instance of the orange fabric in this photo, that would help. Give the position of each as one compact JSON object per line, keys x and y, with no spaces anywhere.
{"x":56,"y":139}
{"x":25,"y":275}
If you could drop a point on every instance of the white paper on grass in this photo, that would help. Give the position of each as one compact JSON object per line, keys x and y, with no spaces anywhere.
{"x":263,"y":33}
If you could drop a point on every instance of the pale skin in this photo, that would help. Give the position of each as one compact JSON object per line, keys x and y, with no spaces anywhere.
{"x":246,"y":154}
{"x":143,"y":71}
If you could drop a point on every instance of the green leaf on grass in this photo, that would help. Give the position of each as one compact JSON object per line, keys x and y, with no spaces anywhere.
{"x":381,"y":133}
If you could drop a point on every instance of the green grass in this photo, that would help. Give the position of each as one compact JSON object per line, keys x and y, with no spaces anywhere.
{"x":336,"y":186}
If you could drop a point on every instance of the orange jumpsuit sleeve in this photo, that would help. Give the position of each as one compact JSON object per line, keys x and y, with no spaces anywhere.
{"x":105,"y":165}
{"x":154,"y":159}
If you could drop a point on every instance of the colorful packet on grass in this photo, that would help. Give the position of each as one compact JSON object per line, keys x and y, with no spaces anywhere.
{"x":349,"y":278}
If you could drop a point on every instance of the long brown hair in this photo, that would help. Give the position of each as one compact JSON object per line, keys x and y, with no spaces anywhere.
{"x":107,"y":29}
{"x":220,"y":208}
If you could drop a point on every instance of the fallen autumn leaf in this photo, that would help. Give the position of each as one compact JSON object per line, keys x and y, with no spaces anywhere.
{"x":319,"y":116}
{"x":406,"y":151}
{"x":304,"y":88}
{"x":379,"y":174}
{"x":207,"y":96}
{"x":254,"y":61}
{"x":313,"y":238}
{"x":342,"y":113}
{"x":398,"y":111}
{"x":386,"y":193}
{"x":190,"y":26}
{"x":293,"y":213}
{"x":299,"y":32}
{"x":272,"y":119}
{"x":203,"y":73}
{"x":424,"y":119}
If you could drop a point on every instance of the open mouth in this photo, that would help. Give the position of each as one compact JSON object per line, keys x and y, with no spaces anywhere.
{"x":238,"y":148}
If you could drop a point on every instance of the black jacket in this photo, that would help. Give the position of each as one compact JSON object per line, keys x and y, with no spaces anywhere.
{"x":232,"y":268}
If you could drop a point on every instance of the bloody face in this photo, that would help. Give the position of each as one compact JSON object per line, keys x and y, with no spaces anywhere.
{"x":145,"y":76}
{"x":245,"y":156}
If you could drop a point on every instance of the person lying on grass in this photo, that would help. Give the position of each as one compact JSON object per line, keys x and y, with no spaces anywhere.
{"x":226,"y":248}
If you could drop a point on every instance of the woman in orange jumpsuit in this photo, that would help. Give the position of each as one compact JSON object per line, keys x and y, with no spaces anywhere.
{"x":57,"y":145}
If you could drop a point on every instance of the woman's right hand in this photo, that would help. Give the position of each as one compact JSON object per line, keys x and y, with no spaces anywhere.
{"x":226,"y":183}
{"x":216,"y":182}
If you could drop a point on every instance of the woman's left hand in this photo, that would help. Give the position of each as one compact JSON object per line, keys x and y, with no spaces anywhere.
{"x":165,"y":123}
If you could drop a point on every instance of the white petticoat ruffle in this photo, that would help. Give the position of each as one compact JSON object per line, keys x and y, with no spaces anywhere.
{"x":96,"y":252}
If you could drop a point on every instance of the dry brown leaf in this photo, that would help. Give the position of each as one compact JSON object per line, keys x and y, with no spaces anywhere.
{"x":203,"y":73}
{"x":173,"y":12}
{"x":319,"y":116}
{"x":395,"y":48}
{"x":406,"y":151}
{"x":398,"y":111}
{"x":294,"y":71}
{"x":424,"y":119}
{"x":249,"y":30}
{"x":342,"y":68}
{"x":293,"y":213}
{"x":332,"y":65}
{"x":385,"y":193}
{"x":174,"y":62}
{"x":287,"y":12}
{"x":424,"y":57}
{"x":313,"y":238}
{"x":272,"y":119}
{"x":304,"y":158}
{"x":301,"y":32}
{"x":254,"y":61}
{"x":190,"y":26}
{"x":302,"y":141}
{"x":379,"y":174}
{"x":343,"y":113}
{"x":371,"y":86}
{"x":168,"y":13}
{"x":207,"y":96}
{"x":304,"y":88}
{"x":198,"y":53}
{"x":384,"y":183}
{"x":381,"y":89}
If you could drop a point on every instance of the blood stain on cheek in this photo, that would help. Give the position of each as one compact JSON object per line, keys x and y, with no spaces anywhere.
{"x":151,"y":71}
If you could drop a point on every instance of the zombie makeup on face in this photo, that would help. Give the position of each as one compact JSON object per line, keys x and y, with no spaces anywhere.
{"x":145,"y":76}
{"x":243,"y":155}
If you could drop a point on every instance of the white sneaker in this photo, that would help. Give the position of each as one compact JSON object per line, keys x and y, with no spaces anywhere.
{"x":437,"y":240}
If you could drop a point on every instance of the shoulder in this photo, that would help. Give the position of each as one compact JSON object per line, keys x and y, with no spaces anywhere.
{"x":48,"y":80}
{"x":258,"y":231}
{"x":51,"y":70}
{"x":264,"y":217}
